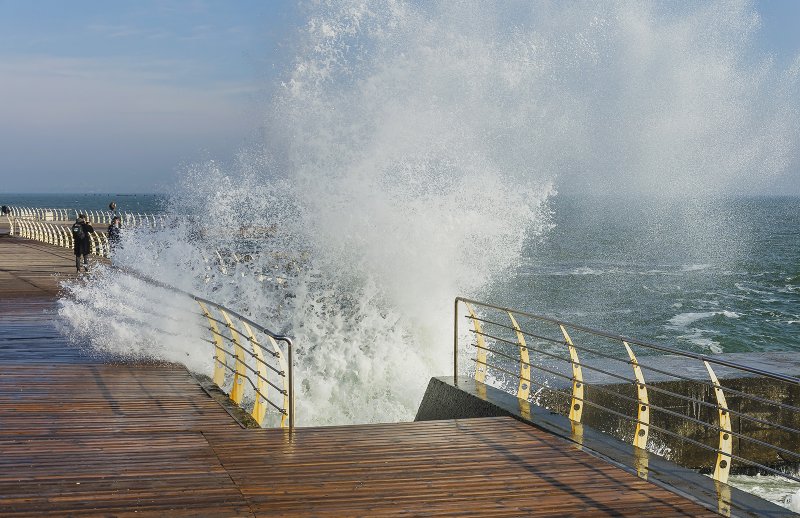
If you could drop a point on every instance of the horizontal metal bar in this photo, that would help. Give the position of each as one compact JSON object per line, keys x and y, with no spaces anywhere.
{"x":599,"y":388}
{"x":697,"y":356}
{"x":258,"y":374}
{"x":281,"y":410}
{"x":739,"y":393}
{"x":226,"y":352}
{"x":655,"y":388}
{"x":252,"y":355}
{"x":636,"y":402}
{"x":244,"y":335}
{"x":243,"y":318}
{"x":254,"y":387}
{"x":652,"y":406}
{"x":135,"y":273}
{"x":286,"y":339}
{"x":653,"y":427}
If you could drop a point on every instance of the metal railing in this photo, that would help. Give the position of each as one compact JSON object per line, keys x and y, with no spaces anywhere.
{"x":576,"y":370}
{"x":245,"y":354}
{"x":58,"y":235}
{"x":41,"y":214}
{"x":128,"y":219}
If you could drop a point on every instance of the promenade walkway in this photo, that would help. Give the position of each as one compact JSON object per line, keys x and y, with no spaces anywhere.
{"x":82,"y":435}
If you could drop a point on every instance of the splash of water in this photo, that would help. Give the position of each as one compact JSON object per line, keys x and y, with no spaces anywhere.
{"x":410,"y":155}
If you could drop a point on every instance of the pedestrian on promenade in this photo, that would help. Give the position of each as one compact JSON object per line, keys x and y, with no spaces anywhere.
{"x":114,"y":230}
{"x":6,"y":210}
{"x":112,"y":206}
{"x":80,"y":237}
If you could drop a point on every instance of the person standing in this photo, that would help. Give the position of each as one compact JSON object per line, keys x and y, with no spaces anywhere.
{"x":82,"y":242}
{"x":114,"y":230}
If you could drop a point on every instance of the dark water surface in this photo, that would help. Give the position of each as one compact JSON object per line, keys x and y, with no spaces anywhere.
{"x":709,"y":276}
{"x":143,"y":203}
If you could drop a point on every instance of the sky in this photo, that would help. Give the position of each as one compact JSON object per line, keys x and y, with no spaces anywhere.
{"x":99,"y":96}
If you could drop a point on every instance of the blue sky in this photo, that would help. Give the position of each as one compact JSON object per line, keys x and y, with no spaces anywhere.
{"x":115,"y":96}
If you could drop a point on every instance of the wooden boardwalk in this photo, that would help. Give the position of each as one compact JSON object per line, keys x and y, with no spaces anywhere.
{"x":81,"y":437}
{"x":29,"y":269}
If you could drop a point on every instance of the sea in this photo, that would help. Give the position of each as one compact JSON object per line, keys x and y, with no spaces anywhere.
{"x":715,"y":278}
{"x":141,"y":203}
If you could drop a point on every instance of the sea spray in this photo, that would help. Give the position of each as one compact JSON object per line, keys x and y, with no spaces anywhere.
{"x":410,"y":154}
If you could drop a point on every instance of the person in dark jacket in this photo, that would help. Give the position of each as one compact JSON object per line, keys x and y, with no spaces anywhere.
{"x":114,"y":230}
{"x":83,"y":244}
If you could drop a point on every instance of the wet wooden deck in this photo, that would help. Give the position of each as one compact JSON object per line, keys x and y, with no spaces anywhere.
{"x":29,"y":269}
{"x":82,"y":436}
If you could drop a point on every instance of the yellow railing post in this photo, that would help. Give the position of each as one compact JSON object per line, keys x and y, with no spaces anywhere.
{"x":723,"y":465}
{"x":643,"y":409}
{"x":220,"y":358}
{"x":576,"y":405}
{"x":239,"y":375}
{"x":480,"y":360}
{"x":260,"y":406}
{"x":524,"y":388}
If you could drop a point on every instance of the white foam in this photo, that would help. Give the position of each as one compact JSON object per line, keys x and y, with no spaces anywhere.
{"x":793,"y":501}
{"x":707,"y":343}
{"x":683,"y":320}
{"x":776,"y":489}
{"x":695,"y":267}
{"x":585,"y":270}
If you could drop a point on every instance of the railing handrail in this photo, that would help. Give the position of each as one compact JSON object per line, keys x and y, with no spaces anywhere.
{"x":649,"y":345}
{"x":104,"y":215}
{"x":644,"y":405}
{"x":59,"y":235}
{"x":279,"y":337}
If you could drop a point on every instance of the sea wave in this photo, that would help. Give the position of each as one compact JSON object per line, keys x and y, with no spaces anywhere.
{"x":694,"y":267}
{"x":778,"y":490}
{"x":683,"y":320}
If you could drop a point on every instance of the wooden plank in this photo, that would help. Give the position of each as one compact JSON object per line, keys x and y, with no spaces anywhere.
{"x":460,"y":467}
{"x":75,"y":399}
{"x":32,"y":269}
{"x":138,"y":473}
